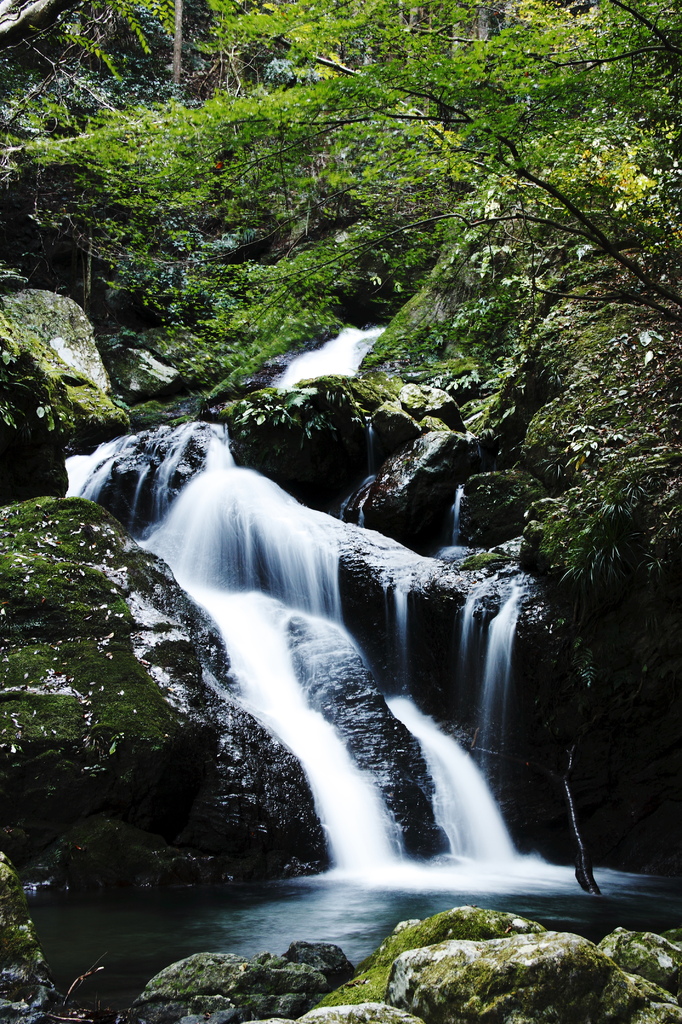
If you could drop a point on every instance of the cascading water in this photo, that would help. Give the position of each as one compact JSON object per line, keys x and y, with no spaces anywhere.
{"x":256,"y":559}
{"x":484,"y":664}
{"x":341,"y":355}
{"x":498,"y":671}
{"x":463,"y":806}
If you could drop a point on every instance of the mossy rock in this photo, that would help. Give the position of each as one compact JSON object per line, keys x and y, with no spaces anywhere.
{"x":649,"y":955}
{"x":101,"y":852}
{"x":86,"y":701}
{"x":484,"y":560}
{"x":262,"y":986}
{"x":548,"y":977}
{"x":314,"y":433}
{"x":360,"y":1013}
{"x":496,"y":503}
{"x":371,"y":976}
{"x":104,"y":711}
{"x":46,"y":405}
{"x":21,"y":956}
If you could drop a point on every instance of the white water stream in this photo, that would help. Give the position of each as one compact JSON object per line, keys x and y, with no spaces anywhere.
{"x":341,"y":355}
{"x":253,"y":556}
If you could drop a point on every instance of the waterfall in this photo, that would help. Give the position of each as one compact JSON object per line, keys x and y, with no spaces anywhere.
{"x":341,"y":355}
{"x":463,"y":806}
{"x":360,"y":830}
{"x":259,"y":561}
{"x":373,"y":456}
{"x":498,"y":671}
{"x":484,"y":662}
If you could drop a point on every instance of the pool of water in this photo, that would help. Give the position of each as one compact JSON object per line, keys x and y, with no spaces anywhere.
{"x":134,"y":933}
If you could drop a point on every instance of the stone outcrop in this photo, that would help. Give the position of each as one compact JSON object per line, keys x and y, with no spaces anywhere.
{"x":416,"y":485}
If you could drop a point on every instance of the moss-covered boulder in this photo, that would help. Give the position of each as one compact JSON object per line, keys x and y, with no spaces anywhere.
{"x":45,"y":405}
{"x":548,"y":977}
{"x":263,"y":986}
{"x":137,"y":375}
{"x":21,"y":957}
{"x":416,"y":485}
{"x":496,"y":503}
{"x":104,"y":711}
{"x":421,"y":400}
{"x":394,"y":426}
{"x":311,"y":434}
{"x":100,"y":852}
{"x":649,"y":955}
{"x":476,"y":923}
{"x":59,"y":322}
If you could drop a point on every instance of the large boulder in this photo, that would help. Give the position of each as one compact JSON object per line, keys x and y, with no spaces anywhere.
{"x":205,"y":983}
{"x":312,"y":434}
{"x":421,"y":400}
{"x":649,"y":955}
{"x":547,"y":977}
{"x":60,"y":323}
{"x":45,"y":406}
{"x":138,"y":375}
{"x":110,"y":708}
{"x":416,"y":485}
{"x":473,"y":923}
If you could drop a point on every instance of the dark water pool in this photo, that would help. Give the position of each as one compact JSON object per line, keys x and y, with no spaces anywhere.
{"x":136,"y":932}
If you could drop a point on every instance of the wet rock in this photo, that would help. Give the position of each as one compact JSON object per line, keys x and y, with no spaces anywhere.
{"x":536,"y":977}
{"x":420,"y":400}
{"x":324,"y":957}
{"x":148,"y":470}
{"x":644,"y":953}
{"x":473,"y":923}
{"x":116,"y":691}
{"x":138,"y":375}
{"x":495,"y":505}
{"x":341,"y":688}
{"x":209,"y":983}
{"x":394,"y":426}
{"x":22,"y":963}
{"x":415,"y":486}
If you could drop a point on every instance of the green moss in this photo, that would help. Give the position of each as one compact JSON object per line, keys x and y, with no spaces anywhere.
{"x":484,"y":560}
{"x":371,"y":976}
{"x":21,"y":957}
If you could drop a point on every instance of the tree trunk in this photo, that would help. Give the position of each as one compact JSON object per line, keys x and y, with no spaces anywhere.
{"x":177,"y":43}
{"x":21,"y":18}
